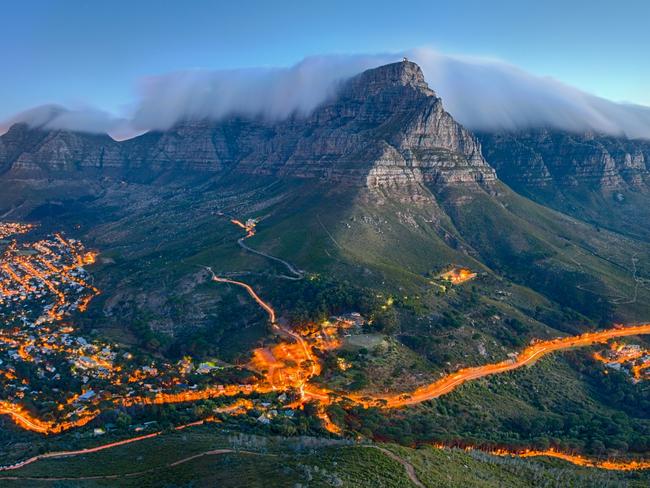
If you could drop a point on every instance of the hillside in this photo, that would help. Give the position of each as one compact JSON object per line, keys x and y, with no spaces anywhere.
{"x":371,"y":205}
{"x":205,"y":456}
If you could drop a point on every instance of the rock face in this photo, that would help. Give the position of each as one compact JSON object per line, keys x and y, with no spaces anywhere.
{"x":385,"y":127}
{"x":544,"y":158}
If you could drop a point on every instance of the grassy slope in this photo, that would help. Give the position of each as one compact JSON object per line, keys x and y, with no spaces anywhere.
{"x":388,"y":243}
{"x":551,"y":401}
{"x":600,"y":208}
{"x":311,"y":462}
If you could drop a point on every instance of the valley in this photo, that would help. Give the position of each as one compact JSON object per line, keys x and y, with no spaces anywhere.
{"x":292,"y":369}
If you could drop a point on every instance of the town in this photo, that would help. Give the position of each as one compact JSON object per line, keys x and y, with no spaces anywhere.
{"x":43,"y":358}
{"x":629,"y":358}
{"x":46,"y":362}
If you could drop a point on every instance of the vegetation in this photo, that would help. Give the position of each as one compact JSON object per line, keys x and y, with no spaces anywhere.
{"x":307,"y":461}
{"x":539,"y":275}
{"x":566,"y":403}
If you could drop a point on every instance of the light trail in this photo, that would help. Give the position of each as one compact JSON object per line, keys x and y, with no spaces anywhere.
{"x":327,"y":422}
{"x":306,"y":349}
{"x":255,"y":296}
{"x":313,"y":369}
{"x":27,"y":421}
{"x":60,"y":454}
{"x":576,"y":459}
{"x":525,"y":357}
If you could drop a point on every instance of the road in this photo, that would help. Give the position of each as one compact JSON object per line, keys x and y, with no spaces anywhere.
{"x":274,"y":323}
{"x":524,"y":358}
{"x":27,"y":421}
{"x":60,"y":454}
{"x":298,"y":275}
{"x":578,"y":460}
{"x":249,"y":227}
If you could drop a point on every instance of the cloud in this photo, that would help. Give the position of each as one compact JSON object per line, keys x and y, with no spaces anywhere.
{"x":271,"y":93}
{"x":81,"y":119}
{"x":480,"y":93}
{"x":492,"y":95}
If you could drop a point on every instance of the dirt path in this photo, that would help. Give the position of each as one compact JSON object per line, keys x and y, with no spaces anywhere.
{"x":214,"y":452}
{"x":408,"y":467}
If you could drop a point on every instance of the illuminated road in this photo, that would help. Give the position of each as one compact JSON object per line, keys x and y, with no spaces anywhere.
{"x":578,"y":460}
{"x":526,"y":357}
{"x":249,"y":227}
{"x":26,"y":421}
{"x":102,"y":447}
{"x":272,"y":317}
{"x":252,"y":293}
{"x":59,"y":454}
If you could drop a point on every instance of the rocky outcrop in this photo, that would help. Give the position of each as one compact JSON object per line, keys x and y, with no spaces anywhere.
{"x":385,"y":127}
{"x":545,"y":158}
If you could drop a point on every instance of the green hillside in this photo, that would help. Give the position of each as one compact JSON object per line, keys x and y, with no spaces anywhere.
{"x":244,"y":460}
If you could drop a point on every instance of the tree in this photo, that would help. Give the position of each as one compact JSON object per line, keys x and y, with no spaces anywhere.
{"x":123,"y":420}
{"x":386,"y":321}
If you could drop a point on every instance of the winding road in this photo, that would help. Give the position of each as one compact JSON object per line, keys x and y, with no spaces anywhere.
{"x":250,"y":232}
{"x":524,"y":358}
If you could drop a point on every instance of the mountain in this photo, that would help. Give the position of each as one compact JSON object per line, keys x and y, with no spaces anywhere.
{"x":374,"y":195}
{"x":385,"y":150}
{"x":598,"y":178}
{"x":384,"y":127}
{"x":542,"y":157}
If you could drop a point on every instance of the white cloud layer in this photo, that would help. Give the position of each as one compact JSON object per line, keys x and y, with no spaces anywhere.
{"x":480,"y":93}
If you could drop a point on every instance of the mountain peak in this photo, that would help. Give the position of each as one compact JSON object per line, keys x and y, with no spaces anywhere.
{"x":401,"y":74}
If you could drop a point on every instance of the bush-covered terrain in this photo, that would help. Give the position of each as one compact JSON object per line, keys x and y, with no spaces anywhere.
{"x":249,"y":460}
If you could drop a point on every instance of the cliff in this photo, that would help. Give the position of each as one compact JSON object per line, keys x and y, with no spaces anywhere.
{"x":558,"y":159}
{"x":385,"y":127}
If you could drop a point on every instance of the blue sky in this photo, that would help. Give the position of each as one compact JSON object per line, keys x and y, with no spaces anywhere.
{"x":95,"y":52}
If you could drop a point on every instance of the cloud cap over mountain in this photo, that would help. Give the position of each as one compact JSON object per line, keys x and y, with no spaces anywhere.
{"x":480,"y":93}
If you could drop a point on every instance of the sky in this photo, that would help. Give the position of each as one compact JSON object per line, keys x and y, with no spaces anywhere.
{"x":101,"y":53}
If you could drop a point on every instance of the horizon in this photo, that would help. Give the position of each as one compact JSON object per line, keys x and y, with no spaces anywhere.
{"x":103,"y":59}
{"x":481,"y":93}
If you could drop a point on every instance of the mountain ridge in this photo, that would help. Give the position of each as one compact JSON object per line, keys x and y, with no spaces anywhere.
{"x":385,"y":127}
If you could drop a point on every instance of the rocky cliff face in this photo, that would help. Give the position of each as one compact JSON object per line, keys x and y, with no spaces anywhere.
{"x":385,"y":127}
{"x":544,"y":158}
{"x":36,"y":153}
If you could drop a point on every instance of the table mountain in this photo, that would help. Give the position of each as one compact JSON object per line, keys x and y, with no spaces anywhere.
{"x":385,"y":127}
